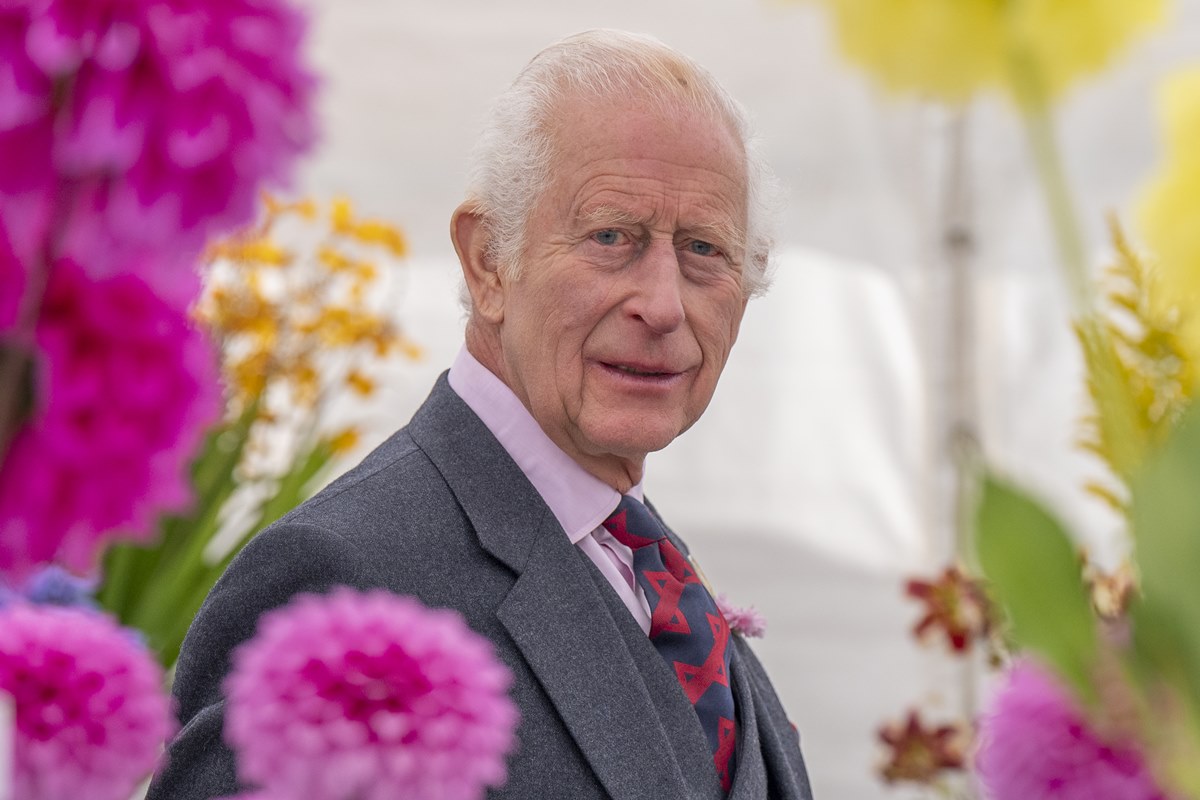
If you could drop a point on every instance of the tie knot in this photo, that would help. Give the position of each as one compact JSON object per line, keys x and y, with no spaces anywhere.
{"x":633,"y":525}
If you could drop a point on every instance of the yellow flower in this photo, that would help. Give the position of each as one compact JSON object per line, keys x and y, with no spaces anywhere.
{"x":1170,"y":210}
{"x":952,"y":49}
{"x":306,"y":208}
{"x":341,"y":215}
{"x":334,"y":260}
{"x":360,"y":383}
{"x":249,"y":375}
{"x":343,"y":442}
{"x":259,"y":250}
{"x":376,"y":232}
{"x":371,"y":231}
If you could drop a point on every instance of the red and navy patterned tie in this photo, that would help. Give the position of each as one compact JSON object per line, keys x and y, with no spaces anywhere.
{"x":686,"y":627}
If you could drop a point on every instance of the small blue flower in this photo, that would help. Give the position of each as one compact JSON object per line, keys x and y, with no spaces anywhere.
{"x":55,"y":586}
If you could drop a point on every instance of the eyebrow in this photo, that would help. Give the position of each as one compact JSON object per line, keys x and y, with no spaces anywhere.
{"x":728,"y":235}
{"x":609,"y":215}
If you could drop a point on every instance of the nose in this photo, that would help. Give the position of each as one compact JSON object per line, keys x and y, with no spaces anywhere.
{"x":657,"y":299}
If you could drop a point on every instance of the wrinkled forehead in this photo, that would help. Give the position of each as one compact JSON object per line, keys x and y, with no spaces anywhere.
{"x":574,"y":122}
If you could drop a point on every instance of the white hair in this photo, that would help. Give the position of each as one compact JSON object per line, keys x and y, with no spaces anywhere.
{"x":512,"y":160}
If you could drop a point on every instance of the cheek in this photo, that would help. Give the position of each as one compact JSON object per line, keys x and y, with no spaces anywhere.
{"x":717,"y":328}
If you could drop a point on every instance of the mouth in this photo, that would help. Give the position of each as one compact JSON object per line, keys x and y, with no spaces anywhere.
{"x":640,"y":371}
{"x":642,"y":376}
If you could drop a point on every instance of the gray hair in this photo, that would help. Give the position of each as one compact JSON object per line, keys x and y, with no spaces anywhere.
{"x":512,"y":160}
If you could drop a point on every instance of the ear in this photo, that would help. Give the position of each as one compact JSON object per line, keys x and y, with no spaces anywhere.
{"x":470,"y":238}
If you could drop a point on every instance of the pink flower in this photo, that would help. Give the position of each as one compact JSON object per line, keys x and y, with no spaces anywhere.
{"x":1036,"y":743}
{"x":124,"y":390}
{"x":368,"y":696}
{"x":746,"y":621}
{"x":91,"y":713}
{"x":12,"y":286}
{"x":132,"y":130}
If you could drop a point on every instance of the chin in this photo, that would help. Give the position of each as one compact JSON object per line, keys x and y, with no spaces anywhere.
{"x":633,"y":438}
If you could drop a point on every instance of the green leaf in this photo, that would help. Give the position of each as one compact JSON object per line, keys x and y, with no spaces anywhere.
{"x":1035,"y":575}
{"x":1165,"y":498}
{"x":143,"y":585}
{"x":295,"y":485}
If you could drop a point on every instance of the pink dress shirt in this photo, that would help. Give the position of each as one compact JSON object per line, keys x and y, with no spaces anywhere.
{"x":579,"y":500}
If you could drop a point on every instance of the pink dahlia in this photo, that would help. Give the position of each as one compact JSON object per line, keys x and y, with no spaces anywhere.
{"x":747,"y":621}
{"x":12,"y":286}
{"x":131,"y":130}
{"x":368,"y":696}
{"x":91,"y":713}
{"x":125,"y":389}
{"x":1035,"y":743}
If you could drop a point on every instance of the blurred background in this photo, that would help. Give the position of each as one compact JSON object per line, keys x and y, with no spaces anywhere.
{"x":822,"y":477}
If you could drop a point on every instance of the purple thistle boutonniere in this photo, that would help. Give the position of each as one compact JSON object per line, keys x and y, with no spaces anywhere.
{"x":746,"y":621}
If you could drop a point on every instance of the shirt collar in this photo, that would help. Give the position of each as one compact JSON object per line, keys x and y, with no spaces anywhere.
{"x":579,"y":500}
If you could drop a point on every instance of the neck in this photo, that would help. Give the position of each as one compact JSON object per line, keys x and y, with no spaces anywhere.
{"x":618,"y":472}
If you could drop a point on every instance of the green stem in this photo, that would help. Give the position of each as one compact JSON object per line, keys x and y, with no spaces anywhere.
{"x":17,"y":354}
{"x":114,"y":592}
{"x":1039,"y":127}
{"x":1114,"y":400}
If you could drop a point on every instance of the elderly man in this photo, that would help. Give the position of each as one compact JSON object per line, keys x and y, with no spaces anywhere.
{"x":609,"y":243}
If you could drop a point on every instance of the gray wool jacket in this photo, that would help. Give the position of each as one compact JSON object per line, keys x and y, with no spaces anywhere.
{"x":440,"y":512}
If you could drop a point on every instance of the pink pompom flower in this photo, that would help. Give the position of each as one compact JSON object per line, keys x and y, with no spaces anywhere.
{"x":744,"y":620}
{"x":132,"y":130}
{"x":125,"y":388}
{"x":368,"y":696}
{"x":1036,"y":743}
{"x":91,"y":712}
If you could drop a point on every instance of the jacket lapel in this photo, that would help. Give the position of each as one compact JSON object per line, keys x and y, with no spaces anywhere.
{"x":785,"y":774}
{"x":554,"y":612}
{"x":570,"y":641}
{"x":750,"y":776}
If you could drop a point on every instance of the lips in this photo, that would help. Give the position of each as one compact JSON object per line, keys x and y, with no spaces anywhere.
{"x":641,"y":369}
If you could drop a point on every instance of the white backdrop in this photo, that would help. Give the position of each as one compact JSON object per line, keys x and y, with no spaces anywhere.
{"x":816,"y":481}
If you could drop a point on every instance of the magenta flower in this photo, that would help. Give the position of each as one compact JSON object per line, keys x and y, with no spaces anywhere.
{"x":12,"y":286}
{"x":132,"y":130}
{"x":1035,"y":743}
{"x":368,"y":696}
{"x":124,"y":390}
{"x":91,"y":713}
{"x":746,"y":621}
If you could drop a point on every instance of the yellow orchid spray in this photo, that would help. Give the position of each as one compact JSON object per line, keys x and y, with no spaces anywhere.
{"x":301,"y":309}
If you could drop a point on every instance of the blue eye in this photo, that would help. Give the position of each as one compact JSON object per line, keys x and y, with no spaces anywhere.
{"x":607,"y":237}
{"x":702,"y":248}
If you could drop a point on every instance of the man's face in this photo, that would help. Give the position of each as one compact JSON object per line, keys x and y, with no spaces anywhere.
{"x":630,"y":294}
